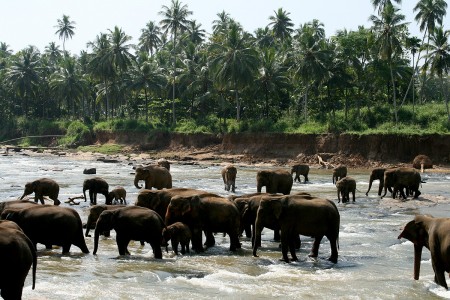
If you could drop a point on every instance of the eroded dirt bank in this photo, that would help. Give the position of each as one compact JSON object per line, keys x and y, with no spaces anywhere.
{"x":353,"y":150}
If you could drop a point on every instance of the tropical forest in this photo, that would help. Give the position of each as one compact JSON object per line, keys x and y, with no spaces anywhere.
{"x":283,"y":77}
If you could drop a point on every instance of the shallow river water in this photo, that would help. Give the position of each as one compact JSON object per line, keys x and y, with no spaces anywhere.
{"x":372,"y":264}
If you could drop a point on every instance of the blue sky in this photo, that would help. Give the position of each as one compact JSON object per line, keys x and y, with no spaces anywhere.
{"x":31,"y":22}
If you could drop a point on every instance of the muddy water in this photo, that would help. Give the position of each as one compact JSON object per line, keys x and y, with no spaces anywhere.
{"x":372,"y":263}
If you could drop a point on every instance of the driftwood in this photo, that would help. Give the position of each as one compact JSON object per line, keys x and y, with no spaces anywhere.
{"x":324,"y":164}
{"x":72,"y":202}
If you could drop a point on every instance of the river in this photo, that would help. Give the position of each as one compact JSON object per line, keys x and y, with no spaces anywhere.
{"x":372,"y":263}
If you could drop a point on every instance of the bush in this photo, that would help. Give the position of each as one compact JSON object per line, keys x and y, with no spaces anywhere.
{"x":77,"y":134}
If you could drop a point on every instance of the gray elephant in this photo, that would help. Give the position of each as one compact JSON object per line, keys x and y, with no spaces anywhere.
{"x":296,"y":214}
{"x":400,"y":179}
{"x":177,"y":233}
{"x":118,"y":194}
{"x":96,"y":186}
{"x":163,"y":163}
{"x":158,"y":200}
{"x":94,"y":213}
{"x":15,"y":204}
{"x":344,"y":187}
{"x":434,"y":234}
{"x":17,"y":257}
{"x":131,"y":223}
{"x":422,"y":162}
{"x":376,"y":174}
{"x":300,"y":169}
{"x":229,"y":177}
{"x":50,"y":225}
{"x":275,"y":181}
{"x":154,"y":177}
{"x":208,"y":212}
{"x":339,"y":172}
{"x":42,"y":187}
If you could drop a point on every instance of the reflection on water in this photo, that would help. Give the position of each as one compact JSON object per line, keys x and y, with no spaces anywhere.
{"x":372,"y":262}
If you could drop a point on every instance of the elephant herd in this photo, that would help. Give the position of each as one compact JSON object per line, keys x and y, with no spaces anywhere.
{"x":183,"y":216}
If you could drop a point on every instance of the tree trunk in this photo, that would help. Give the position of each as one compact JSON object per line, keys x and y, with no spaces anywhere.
{"x":238,"y":104}
{"x":393,"y":92}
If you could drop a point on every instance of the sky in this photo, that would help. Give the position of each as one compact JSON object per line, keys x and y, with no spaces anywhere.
{"x":32,"y":22}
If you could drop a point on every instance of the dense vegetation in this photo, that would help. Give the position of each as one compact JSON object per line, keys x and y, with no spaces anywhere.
{"x":179,"y":78}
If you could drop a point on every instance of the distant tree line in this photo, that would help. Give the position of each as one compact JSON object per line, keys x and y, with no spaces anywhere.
{"x":179,"y":72}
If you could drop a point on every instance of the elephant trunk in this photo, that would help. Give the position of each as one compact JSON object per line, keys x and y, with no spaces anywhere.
{"x":417,"y":258}
{"x":257,"y":237}
{"x":370,"y":185}
{"x":96,"y":237}
{"x":136,"y":183}
{"x":84,"y":194}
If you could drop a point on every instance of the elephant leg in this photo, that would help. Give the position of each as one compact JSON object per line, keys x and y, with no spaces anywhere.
{"x":48,"y":246}
{"x":66,"y":248}
{"x":175,"y":246}
{"x":248,"y":231}
{"x":142,"y":243}
{"x":91,"y":197}
{"x":284,"y":245}
{"x":183,"y":248}
{"x":439,"y":272}
{"x":122,"y":244}
{"x":297,"y":241}
{"x":197,"y":240}
{"x":234,"y":241}
{"x":315,"y":248}
{"x":334,"y":251}
{"x":41,"y":199}
{"x":292,"y":242}
{"x":210,"y":241}
{"x":156,"y":247}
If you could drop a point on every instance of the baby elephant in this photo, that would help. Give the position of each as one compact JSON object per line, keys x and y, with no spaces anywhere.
{"x":229,"y":177}
{"x":300,"y":170}
{"x":118,"y":194}
{"x":344,"y":187}
{"x":179,"y":233}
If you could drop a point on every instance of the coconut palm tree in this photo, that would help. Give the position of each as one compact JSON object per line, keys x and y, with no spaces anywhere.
{"x":234,"y":61}
{"x":221,"y":24}
{"x":194,"y":32}
{"x":381,"y":4}
{"x":150,"y":38}
{"x":429,"y":14}
{"x":175,"y":20}
{"x":281,"y":25}
{"x":65,"y":29}
{"x":438,"y":59}
{"x":389,"y":29}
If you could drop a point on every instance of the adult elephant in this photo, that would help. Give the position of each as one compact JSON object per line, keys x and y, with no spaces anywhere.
{"x":16,"y":204}
{"x":422,"y":162}
{"x":376,"y":174}
{"x":158,"y":200}
{"x":400,"y":179}
{"x":50,"y":225}
{"x":434,"y":234}
{"x":344,"y":187}
{"x":229,"y":177}
{"x":309,"y":216}
{"x":42,"y":187}
{"x":339,"y":172}
{"x":94,"y":213}
{"x":96,"y":185}
{"x":154,"y":176}
{"x":131,"y":223}
{"x":275,"y":181}
{"x":300,"y":169}
{"x":17,"y":257}
{"x":208,"y":212}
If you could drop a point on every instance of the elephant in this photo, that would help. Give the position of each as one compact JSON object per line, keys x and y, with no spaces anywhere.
{"x":208,"y":212}
{"x":229,"y":177}
{"x":344,"y":187}
{"x":434,"y":234}
{"x":300,"y":170}
{"x":297,"y":214}
{"x":154,"y":176}
{"x":50,"y":225}
{"x":131,"y":223}
{"x":118,"y":194}
{"x":402,"y":178}
{"x":94,"y":213}
{"x":275,"y":181}
{"x":177,"y":233}
{"x":376,"y":174}
{"x":339,"y":172}
{"x":17,"y":257}
{"x":42,"y":187}
{"x":15,"y":204}
{"x":163,"y":163}
{"x":422,"y":162}
{"x":96,"y":185}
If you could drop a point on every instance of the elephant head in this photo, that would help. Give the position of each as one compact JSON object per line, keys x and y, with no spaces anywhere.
{"x":141,"y":174}
{"x":105,"y":222}
{"x":376,"y":174}
{"x":182,"y":209}
{"x":416,"y":232}
{"x":29,"y":188}
{"x":264,"y":178}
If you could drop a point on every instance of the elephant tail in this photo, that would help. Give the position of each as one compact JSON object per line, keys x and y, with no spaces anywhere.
{"x":33,"y":253}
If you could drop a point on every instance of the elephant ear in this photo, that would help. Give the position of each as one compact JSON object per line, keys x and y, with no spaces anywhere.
{"x":277,"y":207}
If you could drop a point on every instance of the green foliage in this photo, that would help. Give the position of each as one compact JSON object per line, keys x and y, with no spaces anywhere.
{"x":107,"y":149}
{"x":123,"y":125}
{"x":77,"y":133}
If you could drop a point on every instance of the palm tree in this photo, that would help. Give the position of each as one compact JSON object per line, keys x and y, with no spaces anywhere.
{"x":281,"y":25}
{"x":65,"y":29}
{"x":150,"y":38}
{"x":234,"y":61}
{"x":430,"y":13}
{"x":389,"y":29}
{"x":221,"y":24}
{"x":23,"y":76}
{"x":195,"y":34}
{"x":381,"y":4}
{"x":175,"y":20}
{"x":438,"y":59}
